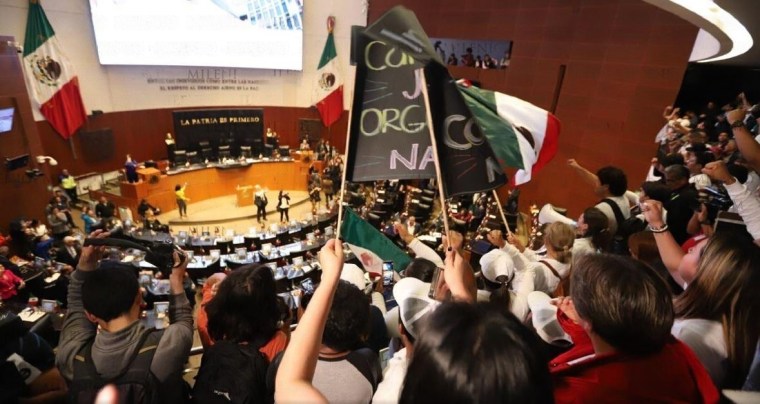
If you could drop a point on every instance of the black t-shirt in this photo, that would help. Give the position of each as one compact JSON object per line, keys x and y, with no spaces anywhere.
{"x":105,"y":210}
{"x":680,"y":209}
{"x":23,"y":360}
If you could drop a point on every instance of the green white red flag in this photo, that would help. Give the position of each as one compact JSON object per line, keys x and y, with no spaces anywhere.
{"x":329,"y":83}
{"x":50,"y":78}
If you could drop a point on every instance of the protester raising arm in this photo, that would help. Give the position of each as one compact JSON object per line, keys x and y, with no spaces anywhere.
{"x":296,"y":370}
{"x":748,"y":146}
{"x":747,"y":203}
{"x":670,"y":252}
{"x":587,"y":176}
{"x":420,"y":249}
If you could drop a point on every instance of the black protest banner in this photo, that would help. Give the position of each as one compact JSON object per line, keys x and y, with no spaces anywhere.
{"x":389,"y":134}
{"x":468,"y":164}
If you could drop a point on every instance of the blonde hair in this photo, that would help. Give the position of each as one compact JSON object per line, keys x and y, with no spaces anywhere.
{"x":560,"y":237}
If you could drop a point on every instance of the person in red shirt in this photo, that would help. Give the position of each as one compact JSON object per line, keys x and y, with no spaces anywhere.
{"x":243,"y":308}
{"x":9,"y":284}
{"x":619,"y":317}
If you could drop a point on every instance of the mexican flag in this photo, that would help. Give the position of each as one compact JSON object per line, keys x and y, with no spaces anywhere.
{"x":522,"y":135}
{"x":49,"y":76}
{"x":329,"y":84}
{"x":357,"y":232}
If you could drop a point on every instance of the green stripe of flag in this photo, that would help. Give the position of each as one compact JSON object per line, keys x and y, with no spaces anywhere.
{"x":38,"y":28}
{"x":499,"y":132}
{"x":328,"y":53}
{"x":355,"y":230}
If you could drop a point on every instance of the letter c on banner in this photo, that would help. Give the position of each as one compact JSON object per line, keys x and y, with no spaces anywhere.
{"x":447,"y":133}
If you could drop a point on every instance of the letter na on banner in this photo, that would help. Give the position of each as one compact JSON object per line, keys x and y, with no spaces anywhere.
{"x":411,"y":162}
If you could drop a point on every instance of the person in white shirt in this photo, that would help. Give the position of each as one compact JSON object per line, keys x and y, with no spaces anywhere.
{"x":746,"y":202}
{"x":593,"y":233}
{"x":414,"y":306}
{"x":611,"y":185}
{"x":548,"y":271}
{"x":717,"y":314}
{"x":498,"y":271}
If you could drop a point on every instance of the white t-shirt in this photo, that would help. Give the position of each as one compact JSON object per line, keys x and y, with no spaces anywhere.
{"x":624,"y":202}
{"x":389,"y":390}
{"x":705,"y":338}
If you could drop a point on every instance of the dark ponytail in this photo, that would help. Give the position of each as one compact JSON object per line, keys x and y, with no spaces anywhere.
{"x":500,"y":296}
{"x":598,"y":229}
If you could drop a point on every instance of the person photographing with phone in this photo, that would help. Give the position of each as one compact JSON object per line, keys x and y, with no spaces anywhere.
{"x":104,"y":342}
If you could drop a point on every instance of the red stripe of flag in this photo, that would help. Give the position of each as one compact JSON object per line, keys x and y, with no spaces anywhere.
{"x":331,"y":107}
{"x":65,"y":110}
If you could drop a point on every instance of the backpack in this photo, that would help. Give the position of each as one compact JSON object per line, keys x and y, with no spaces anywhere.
{"x":258,"y":201}
{"x":625,"y":227}
{"x":135,"y":384}
{"x":232,"y":373}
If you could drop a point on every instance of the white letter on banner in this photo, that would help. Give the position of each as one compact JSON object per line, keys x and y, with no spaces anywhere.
{"x":410,"y":164}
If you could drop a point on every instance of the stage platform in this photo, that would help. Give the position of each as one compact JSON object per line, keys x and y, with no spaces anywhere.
{"x":224,"y":209}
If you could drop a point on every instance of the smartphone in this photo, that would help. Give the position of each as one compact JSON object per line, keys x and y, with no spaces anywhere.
{"x":388,"y":273}
{"x":307,"y":285}
{"x":434,"y":282}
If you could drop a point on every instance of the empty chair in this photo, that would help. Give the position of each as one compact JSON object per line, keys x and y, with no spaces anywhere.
{"x":180,"y":157}
{"x":224,"y":152}
{"x":248,"y":241}
{"x":245,"y":151}
{"x":258,"y":147}
{"x":285,"y":151}
{"x":268,"y":150}
{"x":224,"y":246}
{"x":193,"y":157}
{"x":207,"y":153}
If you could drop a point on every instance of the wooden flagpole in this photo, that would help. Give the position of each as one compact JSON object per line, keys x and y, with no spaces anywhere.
{"x":345,"y":170}
{"x":501,"y":210}
{"x":433,"y":143}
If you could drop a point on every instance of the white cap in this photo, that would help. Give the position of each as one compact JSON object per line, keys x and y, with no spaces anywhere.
{"x":545,"y":319}
{"x":353,"y":275}
{"x":497,"y":263}
{"x":411,"y":294}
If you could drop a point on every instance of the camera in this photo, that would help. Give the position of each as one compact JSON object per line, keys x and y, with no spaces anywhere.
{"x":715,"y":198}
{"x":159,"y":248}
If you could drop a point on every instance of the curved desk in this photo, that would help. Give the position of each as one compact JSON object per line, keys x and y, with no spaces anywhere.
{"x":206,"y":182}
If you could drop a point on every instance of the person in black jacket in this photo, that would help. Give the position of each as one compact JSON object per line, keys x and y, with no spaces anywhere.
{"x":283,"y":205}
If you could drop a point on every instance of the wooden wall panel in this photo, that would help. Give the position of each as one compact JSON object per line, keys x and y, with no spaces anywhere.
{"x":19,"y":196}
{"x":141,"y":134}
{"x":625,"y":61}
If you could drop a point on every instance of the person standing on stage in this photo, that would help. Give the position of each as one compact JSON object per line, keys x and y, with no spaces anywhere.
{"x":182,"y":200}
{"x":283,"y":205}
{"x":130,"y":168}
{"x":260,"y":200}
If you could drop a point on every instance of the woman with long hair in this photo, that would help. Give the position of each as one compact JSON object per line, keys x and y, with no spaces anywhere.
{"x":593,"y":233}
{"x":551,"y":271}
{"x":239,"y":323}
{"x":242,"y":308}
{"x":717,"y":314}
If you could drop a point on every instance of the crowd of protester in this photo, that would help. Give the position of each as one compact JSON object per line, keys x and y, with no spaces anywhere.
{"x":649,"y":296}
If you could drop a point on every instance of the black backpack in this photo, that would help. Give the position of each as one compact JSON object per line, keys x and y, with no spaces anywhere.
{"x":232,"y":373}
{"x":136,"y":384}
{"x":625,"y":227}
